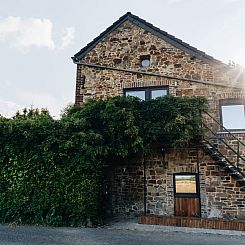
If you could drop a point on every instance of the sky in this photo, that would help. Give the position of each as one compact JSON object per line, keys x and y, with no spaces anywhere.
{"x":38,"y":39}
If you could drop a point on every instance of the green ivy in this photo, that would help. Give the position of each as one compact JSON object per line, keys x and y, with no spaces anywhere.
{"x":51,"y":170}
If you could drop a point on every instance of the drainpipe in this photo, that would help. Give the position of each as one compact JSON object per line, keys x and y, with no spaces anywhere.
{"x":198,"y":167}
{"x":145,"y":187}
{"x":199,"y":185}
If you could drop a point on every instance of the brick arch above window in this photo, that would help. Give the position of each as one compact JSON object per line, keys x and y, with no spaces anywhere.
{"x":230,"y":95}
{"x":150,"y":83}
{"x":170,"y":83}
{"x":215,"y":98}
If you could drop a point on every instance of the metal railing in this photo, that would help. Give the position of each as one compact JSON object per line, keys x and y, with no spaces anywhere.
{"x":217,"y":136}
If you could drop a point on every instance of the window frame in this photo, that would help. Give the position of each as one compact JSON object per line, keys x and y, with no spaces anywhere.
{"x":230,"y":102}
{"x":132,"y":90}
{"x":194,"y":195}
{"x":145,"y":57}
{"x":148,"y":90}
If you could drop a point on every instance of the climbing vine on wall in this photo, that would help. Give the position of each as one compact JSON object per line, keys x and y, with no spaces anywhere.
{"x":51,"y":170}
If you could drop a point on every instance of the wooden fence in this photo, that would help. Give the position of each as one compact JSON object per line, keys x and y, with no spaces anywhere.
{"x":193,"y":222}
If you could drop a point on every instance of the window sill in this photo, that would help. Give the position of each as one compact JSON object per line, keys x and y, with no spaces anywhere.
{"x":224,"y":134}
{"x":242,"y":131}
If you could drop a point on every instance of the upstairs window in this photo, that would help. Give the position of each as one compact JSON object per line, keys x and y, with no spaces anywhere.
{"x":145,"y":61}
{"x":233,"y":114}
{"x":148,"y":93}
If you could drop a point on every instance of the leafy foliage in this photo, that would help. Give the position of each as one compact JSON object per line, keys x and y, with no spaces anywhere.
{"x":51,"y":170}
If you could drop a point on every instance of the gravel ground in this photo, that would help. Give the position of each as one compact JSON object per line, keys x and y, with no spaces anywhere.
{"x":119,"y":233}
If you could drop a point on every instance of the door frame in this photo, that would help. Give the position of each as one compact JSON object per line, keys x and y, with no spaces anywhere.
{"x":187,"y":195}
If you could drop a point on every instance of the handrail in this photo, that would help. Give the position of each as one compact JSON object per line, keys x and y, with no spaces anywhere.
{"x":225,"y":129}
{"x":220,"y":153}
{"x":235,"y":152}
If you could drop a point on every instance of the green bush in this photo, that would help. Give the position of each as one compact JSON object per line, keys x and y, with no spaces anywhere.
{"x":51,"y":170}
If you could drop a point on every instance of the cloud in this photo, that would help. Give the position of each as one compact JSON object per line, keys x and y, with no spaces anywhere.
{"x":41,"y":100}
{"x":27,"y":32}
{"x":232,"y":1}
{"x":24,"y":33}
{"x":67,"y":38}
{"x":173,"y":1}
{"x":8,"y":108}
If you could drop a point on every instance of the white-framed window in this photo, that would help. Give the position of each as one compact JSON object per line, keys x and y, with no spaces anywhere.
{"x":147,"y":93}
{"x":233,"y":114}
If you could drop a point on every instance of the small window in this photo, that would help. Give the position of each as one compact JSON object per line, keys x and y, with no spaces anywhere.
{"x":145,"y":61}
{"x":233,"y":114}
{"x":185,"y":184}
{"x":148,"y":93}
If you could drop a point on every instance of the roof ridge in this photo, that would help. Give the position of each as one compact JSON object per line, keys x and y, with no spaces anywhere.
{"x":176,"y":42}
{"x":201,"y":53}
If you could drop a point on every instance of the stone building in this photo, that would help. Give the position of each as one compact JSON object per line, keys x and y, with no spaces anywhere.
{"x":133,"y":57}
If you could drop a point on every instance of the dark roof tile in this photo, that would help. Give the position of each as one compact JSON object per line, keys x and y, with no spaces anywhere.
{"x":178,"y":43}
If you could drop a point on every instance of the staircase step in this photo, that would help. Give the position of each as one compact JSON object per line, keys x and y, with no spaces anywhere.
{"x":241,"y":183}
{"x":223,"y":161}
{"x":208,"y":149}
{"x":212,"y":150}
{"x":243,"y":179}
{"x":215,"y":155}
{"x":230,"y":168}
{"x":237,"y":175}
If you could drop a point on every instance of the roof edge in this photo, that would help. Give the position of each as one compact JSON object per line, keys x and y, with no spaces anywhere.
{"x":155,"y":31}
{"x":94,"y":42}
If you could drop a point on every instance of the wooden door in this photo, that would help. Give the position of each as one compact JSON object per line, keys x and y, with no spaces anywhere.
{"x":186,"y":195}
{"x":187,"y":206}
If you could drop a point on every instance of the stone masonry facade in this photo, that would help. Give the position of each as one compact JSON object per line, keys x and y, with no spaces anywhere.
{"x":220,"y":195}
{"x":123,"y":48}
{"x":111,"y":65}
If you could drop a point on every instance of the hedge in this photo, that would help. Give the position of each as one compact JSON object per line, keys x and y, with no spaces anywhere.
{"x":51,"y":171}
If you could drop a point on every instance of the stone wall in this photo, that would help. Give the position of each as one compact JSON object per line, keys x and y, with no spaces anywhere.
{"x":127,"y":189}
{"x":221,"y":197}
{"x":114,"y":65}
{"x":119,"y":54}
{"x":104,"y":84}
{"x":123,"y":48}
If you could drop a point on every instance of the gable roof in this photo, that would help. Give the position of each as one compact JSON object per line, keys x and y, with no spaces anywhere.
{"x":152,"y":29}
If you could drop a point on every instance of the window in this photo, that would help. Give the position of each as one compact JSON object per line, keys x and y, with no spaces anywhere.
{"x":185,"y":184}
{"x":148,"y":93}
{"x":233,"y":114}
{"x":136,"y":93}
{"x":145,"y":60}
{"x":158,"y":93}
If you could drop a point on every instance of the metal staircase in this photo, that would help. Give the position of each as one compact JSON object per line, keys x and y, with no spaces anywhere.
{"x":212,"y":143}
